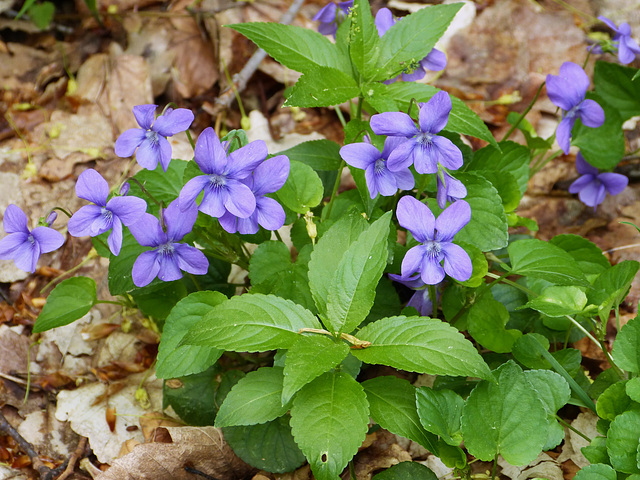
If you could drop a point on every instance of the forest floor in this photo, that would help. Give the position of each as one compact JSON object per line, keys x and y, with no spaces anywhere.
{"x":67,"y":93}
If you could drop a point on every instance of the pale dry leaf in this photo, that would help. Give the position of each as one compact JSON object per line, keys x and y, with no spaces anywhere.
{"x":585,"y":423}
{"x":201,"y":448}
{"x":260,"y":131}
{"x":47,"y":435}
{"x":543,"y":466}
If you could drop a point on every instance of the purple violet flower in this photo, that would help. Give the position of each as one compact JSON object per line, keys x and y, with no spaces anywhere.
{"x":424,"y":149}
{"x":168,"y":257}
{"x":436,"y":236}
{"x":268,"y":177}
{"x":567,"y":91}
{"x":331,"y":16}
{"x":627,"y":47}
{"x":222,"y":183}
{"x":420,"y":300}
{"x":449,"y":191}
{"x":25,"y":246}
{"x":435,"y":59}
{"x":150,"y":140}
{"x":592,"y":186}
{"x":379,"y":178}
{"x":105,"y":215}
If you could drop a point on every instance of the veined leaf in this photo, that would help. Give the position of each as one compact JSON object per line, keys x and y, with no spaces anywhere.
{"x":70,"y":300}
{"x":363,"y":39}
{"x":322,"y":87}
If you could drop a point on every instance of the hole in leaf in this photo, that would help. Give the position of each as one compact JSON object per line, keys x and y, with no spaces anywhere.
{"x":324,"y":457}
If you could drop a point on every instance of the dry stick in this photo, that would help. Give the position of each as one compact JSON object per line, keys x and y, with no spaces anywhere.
{"x":26,"y":447}
{"x":242,"y":78}
{"x":71,"y":464}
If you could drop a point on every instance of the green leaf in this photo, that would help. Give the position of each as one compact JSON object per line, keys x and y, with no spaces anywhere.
{"x":633,"y":389}
{"x":506,"y":418}
{"x":596,"y":472}
{"x":558,"y":301}
{"x":328,"y":252}
{"x":363,"y":39}
{"x":423,"y":345}
{"x":178,"y":361}
{"x":320,"y":155}
{"x":322,"y":87}
{"x":622,"y":442}
{"x":626,"y":353}
{"x":272,"y":271}
{"x":440,"y":412}
{"x":613,"y":401}
{"x":303,"y":189}
{"x":479,"y":264}
{"x":268,"y":446}
{"x":538,"y":259}
{"x":251,"y":323}
{"x":412,"y":38}
{"x":406,"y":471}
{"x":512,"y":158}
{"x":506,"y":186}
{"x":602,"y":147}
{"x":587,"y":254}
{"x":164,"y":186}
{"x":254,"y":399}
{"x":121,"y":266}
{"x":329,"y":419}
{"x":158,"y":299}
{"x":300,"y":49}
{"x":191,"y":396}
{"x":308,"y":358}
{"x":461,"y":119}
{"x":612,"y":285}
{"x":393,"y":407}
{"x":352,"y":289}
{"x":70,"y":300}
{"x":487,"y":319}
{"x":615,"y":85}
{"x":42,"y":14}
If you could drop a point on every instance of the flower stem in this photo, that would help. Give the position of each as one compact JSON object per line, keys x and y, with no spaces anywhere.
{"x":90,"y":256}
{"x":340,"y":116}
{"x":336,"y":185}
{"x":573,"y":429}
{"x":524,"y":114}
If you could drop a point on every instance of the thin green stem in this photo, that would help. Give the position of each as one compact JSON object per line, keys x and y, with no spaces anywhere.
{"x":573,"y":429}
{"x":524,"y":114}
{"x":543,"y":161}
{"x":359,"y":109}
{"x":495,"y":466}
{"x":334,"y":191}
{"x":191,"y":142}
{"x":352,"y":471}
{"x":340,"y":116}
{"x":90,"y":256}
{"x":277,"y":234}
{"x":111,"y":302}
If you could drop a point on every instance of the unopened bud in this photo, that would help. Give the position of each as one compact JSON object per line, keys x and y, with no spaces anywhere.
{"x":245,"y":123}
{"x":52,"y":218}
{"x":312,"y":230}
{"x":124,"y":189}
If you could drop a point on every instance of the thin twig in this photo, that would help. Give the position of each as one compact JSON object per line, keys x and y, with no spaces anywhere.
{"x":242,"y":78}
{"x":71,"y":464}
{"x":26,"y":447}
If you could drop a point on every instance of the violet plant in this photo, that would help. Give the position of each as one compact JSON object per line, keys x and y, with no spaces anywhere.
{"x":486,"y":306}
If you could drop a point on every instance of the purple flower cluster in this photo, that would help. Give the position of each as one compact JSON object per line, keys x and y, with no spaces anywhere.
{"x":567,"y":91}
{"x":622,"y":42}
{"x":593,"y":186}
{"x":331,"y":16}
{"x":151,"y":140}
{"x":435,"y":60}
{"x":235,"y":186}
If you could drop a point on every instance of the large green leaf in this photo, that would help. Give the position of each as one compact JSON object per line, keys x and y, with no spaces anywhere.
{"x":318,"y":154}
{"x":70,"y":300}
{"x":506,"y":418}
{"x":412,"y":38}
{"x":308,"y":358}
{"x":352,"y":290}
{"x":512,"y":158}
{"x":538,"y":259}
{"x":268,"y":446}
{"x":178,"y":361}
{"x":423,"y":345}
{"x":625,"y":351}
{"x":615,"y":85}
{"x":559,"y":300}
{"x":598,"y":471}
{"x":328,"y":252}
{"x":393,"y":407}
{"x":329,"y":419}
{"x":612,"y":285}
{"x":554,"y":392}
{"x":251,"y":323}
{"x":191,"y":397}
{"x":587,"y":254}
{"x":622,"y":442}
{"x":303,"y":189}
{"x":322,"y":87}
{"x":440,"y":412}
{"x":300,"y":49}
{"x":363,"y":39}
{"x":487,"y":319}
{"x":256,"y":398}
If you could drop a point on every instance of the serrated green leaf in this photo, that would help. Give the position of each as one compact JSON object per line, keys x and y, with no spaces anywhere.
{"x":587,"y":254}
{"x":615,"y":84}
{"x":363,"y":39}
{"x":558,"y":301}
{"x":506,"y":186}
{"x":158,"y":299}
{"x":611,"y":286}
{"x":164,"y":186}
{"x":633,"y":389}
{"x":256,"y":398}
{"x":178,"y":361}
{"x":251,"y":323}
{"x":512,"y":158}
{"x":478,"y":263}
{"x":268,"y":446}
{"x":328,"y":252}
{"x":407,"y":471}
{"x":320,"y":155}
{"x":329,"y":419}
{"x":322,"y":87}
{"x":597,"y":452}
{"x":614,"y":401}
{"x":602,"y":147}
{"x":308,"y":358}
{"x":393,"y":407}
{"x":300,"y":49}
{"x":412,"y":38}
{"x":622,"y":442}
{"x":506,"y":418}
{"x":596,"y":472}
{"x":487,"y":319}
{"x":191,"y":397}
{"x":70,"y":300}
{"x":423,"y":345}
{"x":352,"y":289}
{"x":461,"y":119}
{"x":303,"y":189}
{"x":538,"y":259}
{"x":440,"y":412}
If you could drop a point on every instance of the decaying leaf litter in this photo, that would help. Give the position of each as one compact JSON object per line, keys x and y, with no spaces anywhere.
{"x":67,"y":94}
